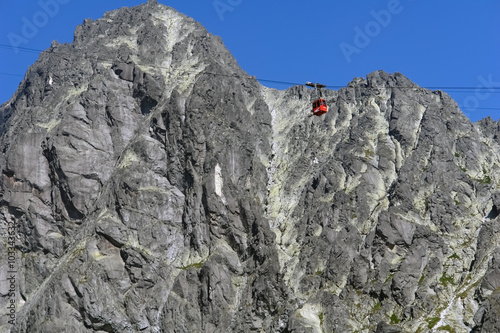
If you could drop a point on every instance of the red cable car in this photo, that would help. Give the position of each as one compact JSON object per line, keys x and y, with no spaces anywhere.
{"x":319,"y":106}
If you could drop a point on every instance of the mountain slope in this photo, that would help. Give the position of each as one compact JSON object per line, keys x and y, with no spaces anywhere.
{"x":156,"y":187}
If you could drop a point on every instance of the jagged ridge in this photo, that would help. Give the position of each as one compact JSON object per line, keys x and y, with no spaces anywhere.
{"x":152,"y":195}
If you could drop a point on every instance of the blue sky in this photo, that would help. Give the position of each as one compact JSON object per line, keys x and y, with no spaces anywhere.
{"x":433,"y":43}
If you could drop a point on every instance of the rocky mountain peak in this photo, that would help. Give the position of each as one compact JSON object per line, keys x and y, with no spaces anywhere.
{"x":154,"y":186}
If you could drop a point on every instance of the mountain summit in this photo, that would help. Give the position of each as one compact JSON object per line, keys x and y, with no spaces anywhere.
{"x":151,"y":185}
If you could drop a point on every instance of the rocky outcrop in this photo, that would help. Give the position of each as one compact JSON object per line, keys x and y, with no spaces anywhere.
{"x":153,"y":186}
{"x":387,"y":202}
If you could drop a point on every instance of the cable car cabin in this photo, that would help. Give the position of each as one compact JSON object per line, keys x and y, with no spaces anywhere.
{"x":319,"y":107}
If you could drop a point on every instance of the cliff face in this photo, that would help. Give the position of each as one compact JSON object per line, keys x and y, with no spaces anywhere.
{"x":156,"y":187}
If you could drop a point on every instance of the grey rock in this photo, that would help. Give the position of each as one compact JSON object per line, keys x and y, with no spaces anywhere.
{"x":386,"y":328}
{"x":156,"y":187}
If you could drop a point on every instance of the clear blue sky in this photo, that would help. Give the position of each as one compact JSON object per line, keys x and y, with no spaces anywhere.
{"x":434,"y":43}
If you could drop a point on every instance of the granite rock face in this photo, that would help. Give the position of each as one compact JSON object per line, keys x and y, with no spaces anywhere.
{"x":155,"y":187}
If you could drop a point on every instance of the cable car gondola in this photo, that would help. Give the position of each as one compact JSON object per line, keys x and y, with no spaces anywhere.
{"x":319,"y":106}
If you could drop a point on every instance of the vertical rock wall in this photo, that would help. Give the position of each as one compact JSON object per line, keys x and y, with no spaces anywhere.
{"x":156,"y":187}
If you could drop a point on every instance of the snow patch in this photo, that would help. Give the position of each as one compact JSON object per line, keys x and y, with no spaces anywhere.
{"x":219,"y":183}
{"x":218,"y":180}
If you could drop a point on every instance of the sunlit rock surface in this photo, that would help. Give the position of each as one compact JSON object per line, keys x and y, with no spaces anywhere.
{"x":156,"y":187}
